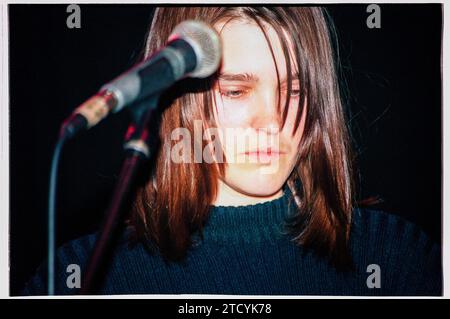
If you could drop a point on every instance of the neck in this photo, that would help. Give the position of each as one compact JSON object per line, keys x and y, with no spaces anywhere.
{"x":227,"y":196}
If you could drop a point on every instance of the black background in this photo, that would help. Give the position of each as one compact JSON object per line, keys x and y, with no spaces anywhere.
{"x":394,"y":104}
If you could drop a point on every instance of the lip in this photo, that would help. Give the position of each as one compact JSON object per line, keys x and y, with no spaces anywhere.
{"x":264,"y":151}
{"x":263,"y":155}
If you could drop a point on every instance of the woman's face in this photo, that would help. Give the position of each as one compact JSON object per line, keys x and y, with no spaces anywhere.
{"x":261,"y":155}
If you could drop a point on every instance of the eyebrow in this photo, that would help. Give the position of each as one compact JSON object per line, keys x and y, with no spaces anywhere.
{"x":294,"y":78}
{"x":242,"y":77}
{"x":248,"y":77}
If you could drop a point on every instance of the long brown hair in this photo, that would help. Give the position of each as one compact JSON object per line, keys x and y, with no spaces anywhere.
{"x":175,"y":201}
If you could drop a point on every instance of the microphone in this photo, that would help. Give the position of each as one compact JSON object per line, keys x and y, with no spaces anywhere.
{"x":193,"y":50}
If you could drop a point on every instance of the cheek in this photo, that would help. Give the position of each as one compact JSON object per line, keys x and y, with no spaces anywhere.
{"x":232,"y":119}
{"x":231,"y":114}
{"x":290,"y":125}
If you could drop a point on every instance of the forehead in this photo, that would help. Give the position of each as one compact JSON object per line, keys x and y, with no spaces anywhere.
{"x":246,"y":49}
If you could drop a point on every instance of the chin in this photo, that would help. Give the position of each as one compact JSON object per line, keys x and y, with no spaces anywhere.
{"x":255,"y":183}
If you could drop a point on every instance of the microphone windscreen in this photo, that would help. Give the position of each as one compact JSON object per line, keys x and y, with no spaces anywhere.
{"x":206,"y":43}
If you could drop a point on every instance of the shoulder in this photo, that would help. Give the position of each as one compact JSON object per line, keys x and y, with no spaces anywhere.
{"x":72,"y":257}
{"x":376,"y":224}
{"x":67,"y":257}
{"x":80,"y":249}
{"x":404,"y":252}
{"x":77,"y":250}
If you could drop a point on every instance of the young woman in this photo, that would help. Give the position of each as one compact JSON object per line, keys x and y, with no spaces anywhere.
{"x":273,"y":217}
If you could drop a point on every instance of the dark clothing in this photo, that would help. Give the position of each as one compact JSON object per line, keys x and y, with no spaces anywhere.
{"x":244,"y":252}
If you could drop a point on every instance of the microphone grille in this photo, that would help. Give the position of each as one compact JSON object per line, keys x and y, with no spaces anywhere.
{"x":206,"y":43}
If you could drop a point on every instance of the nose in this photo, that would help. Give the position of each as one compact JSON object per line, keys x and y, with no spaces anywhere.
{"x":264,"y":114}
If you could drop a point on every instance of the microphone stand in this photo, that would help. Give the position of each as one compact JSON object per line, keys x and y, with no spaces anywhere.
{"x":137,"y":151}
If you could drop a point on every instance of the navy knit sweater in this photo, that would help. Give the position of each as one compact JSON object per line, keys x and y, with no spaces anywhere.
{"x":245,"y":253}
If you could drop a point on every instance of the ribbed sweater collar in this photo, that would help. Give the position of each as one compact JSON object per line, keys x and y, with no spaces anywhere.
{"x":251,"y":223}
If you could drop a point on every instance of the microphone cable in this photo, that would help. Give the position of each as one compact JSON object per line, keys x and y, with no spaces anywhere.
{"x":51,"y":218}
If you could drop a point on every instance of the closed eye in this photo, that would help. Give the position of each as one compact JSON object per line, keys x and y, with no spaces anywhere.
{"x":233,"y":94}
{"x":294,"y":92}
